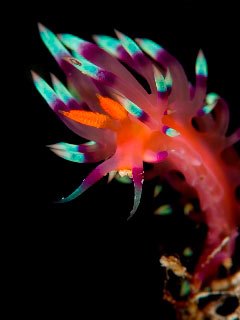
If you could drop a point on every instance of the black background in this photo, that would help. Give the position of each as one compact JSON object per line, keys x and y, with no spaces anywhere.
{"x":83,"y":259}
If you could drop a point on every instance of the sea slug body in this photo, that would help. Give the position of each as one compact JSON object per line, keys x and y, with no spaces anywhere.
{"x":177,"y":126}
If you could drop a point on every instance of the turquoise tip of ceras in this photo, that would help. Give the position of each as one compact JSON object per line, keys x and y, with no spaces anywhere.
{"x":61,"y":90}
{"x":132,"y":49}
{"x":71,"y":41}
{"x":129,"y":45}
{"x":134,"y":110}
{"x":150,"y":47}
{"x":170,"y":131}
{"x":53,"y":43}
{"x":211,"y":101}
{"x":201,"y":65}
{"x":68,"y":153}
{"x":212,"y":98}
{"x":44,"y":89}
{"x":161,"y":85}
{"x":168,"y":80}
{"x":109,"y":44}
{"x":48,"y":94}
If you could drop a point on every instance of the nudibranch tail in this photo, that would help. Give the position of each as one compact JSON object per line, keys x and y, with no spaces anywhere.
{"x":174,"y":125}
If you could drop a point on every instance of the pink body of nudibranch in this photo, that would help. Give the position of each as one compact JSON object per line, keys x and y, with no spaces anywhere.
{"x":126,"y":126}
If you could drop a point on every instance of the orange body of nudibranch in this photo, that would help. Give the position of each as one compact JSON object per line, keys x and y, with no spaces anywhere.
{"x":130,"y":134}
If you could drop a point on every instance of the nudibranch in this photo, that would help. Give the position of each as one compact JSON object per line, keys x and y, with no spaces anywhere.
{"x":173,"y":125}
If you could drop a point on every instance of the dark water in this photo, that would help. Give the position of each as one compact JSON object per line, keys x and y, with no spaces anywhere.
{"x":84,"y":259}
